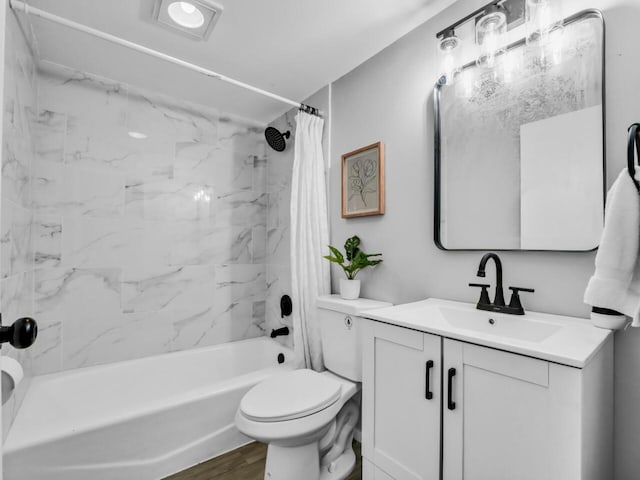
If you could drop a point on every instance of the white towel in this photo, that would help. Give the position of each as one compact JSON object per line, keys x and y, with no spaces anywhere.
{"x":615,"y":283}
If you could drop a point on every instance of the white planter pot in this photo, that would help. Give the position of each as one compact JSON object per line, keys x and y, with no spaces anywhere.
{"x":349,"y":289}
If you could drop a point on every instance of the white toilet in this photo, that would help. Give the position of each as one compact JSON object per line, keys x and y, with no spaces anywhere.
{"x":308,"y":418}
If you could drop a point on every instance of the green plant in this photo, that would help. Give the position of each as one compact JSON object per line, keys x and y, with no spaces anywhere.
{"x":357,"y":258}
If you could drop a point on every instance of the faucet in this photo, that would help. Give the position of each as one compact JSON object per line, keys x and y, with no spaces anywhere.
{"x":498,"y":305}
{"x":498,"y":300}
{"x":279,"y":332}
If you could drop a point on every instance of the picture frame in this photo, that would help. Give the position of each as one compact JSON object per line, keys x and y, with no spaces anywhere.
{"x":363,"y":181}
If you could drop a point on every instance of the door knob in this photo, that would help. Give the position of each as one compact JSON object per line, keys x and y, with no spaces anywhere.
{"x":21,"y":334}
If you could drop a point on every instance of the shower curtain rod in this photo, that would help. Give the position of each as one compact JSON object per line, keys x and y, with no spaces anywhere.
{"x":23,"y":7}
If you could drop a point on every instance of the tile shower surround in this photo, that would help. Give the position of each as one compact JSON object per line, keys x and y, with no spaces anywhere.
{"x":16,"y":229}
{"x":143,"y":246}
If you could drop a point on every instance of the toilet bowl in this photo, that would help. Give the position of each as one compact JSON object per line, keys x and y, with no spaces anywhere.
{"x":297,"y":415}
{"x":308,"y":418}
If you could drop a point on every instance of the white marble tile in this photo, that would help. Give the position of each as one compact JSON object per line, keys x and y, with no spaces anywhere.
{"x":260,"y":173}
{"x":147,"y":244}
{"x":154,"y":113}
{"x":223,"y":168}
{"x":214,"y":326}
{"x":239,"y":283}
{"x":50,"y":131}
{"x":240,"y":138}
{"x":16,"y":297}
{"x":93,"y":242}
{"x":196,"y":243}
{"x":92,"y":193}
{"x":259,"y":244}
{"x":86,"y":302}
{"x":16,"y":240}
{"x":47,"y":350}
{"x":242,"y":208}
{"x":168,"y":288}
{"x":17,"y":156}
{"x":48,"y":187}
{"x":96,"y":100}
{"x":47,"y":238}
{"x":141,"y":335}
{"x":170,"y":200}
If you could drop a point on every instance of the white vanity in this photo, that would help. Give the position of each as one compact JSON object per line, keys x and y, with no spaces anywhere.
{"x":484,"y":396}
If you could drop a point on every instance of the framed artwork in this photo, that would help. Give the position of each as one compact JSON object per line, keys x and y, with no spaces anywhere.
{"x":363,"y":181}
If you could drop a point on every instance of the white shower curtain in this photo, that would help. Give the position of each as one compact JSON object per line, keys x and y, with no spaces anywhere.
{"x":309,"y":239}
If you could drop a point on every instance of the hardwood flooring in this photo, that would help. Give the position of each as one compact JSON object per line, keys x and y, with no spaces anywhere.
{"x":245,"y":463}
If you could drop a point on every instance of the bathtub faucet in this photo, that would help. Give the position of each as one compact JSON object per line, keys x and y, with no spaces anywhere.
{"x":279,"y":332}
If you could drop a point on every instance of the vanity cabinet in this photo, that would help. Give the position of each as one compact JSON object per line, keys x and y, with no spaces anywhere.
{"x":433,"y":405}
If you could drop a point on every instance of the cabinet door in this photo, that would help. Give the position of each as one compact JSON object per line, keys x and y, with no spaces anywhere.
{"x":502,"y":416}
{"x":400,"y":410}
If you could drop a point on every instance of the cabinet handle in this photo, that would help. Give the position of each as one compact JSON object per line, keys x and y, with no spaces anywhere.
{"x":428,"y":394}
{"x":451,"y":405}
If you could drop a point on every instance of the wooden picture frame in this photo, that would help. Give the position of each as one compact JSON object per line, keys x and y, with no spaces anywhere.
{"x":363,"y":181}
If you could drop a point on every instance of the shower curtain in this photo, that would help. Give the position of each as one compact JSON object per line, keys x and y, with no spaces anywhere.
{"x":309,"y":239}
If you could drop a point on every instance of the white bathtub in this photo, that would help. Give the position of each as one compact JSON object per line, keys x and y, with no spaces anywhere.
{"x":137,"y":420}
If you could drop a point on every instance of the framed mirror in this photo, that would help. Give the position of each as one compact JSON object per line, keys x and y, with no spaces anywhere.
{"x":519,"y":148}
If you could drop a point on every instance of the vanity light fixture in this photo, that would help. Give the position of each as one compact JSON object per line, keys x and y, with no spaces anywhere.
{"x":449,"y":49}
{"x":491,"y":29}
{"x":195,"y":18}
{"x":544,"y":21}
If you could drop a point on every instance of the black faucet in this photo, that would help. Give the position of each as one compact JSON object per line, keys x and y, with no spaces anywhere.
{"x":498,"y":305}
{"x":279,"y":332}
{"x":498,"y":301}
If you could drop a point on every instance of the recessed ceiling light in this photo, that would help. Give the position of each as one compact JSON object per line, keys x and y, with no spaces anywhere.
{"x":195,"y":18}
{"x":186,"y":14}
{"x":137,"y":135}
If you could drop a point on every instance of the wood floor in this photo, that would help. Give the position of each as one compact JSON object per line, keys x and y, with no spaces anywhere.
{"x":245,"y":463}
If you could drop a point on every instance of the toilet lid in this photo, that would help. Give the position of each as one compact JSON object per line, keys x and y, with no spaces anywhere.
{"x":289,"y":396}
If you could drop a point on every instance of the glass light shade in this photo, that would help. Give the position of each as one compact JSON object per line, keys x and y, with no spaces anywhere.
{"x":491,"y":31}
{"x":450,"y":54}
{"x":186,"y":14}
{"x":544,"y":21}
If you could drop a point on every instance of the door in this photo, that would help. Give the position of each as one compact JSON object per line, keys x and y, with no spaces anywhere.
{"x":498,"y":415}
{"x":401,"y":401}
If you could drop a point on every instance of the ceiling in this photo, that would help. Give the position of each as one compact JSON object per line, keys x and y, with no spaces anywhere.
{"x":289,"y":47}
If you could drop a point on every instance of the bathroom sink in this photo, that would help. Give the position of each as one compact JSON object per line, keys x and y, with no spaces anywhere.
{"x":557,"y":338}
{"x":510,"y":326}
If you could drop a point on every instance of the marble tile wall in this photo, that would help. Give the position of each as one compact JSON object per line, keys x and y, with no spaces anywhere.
{"x":16,"y":218}
{"x":143,"y":246}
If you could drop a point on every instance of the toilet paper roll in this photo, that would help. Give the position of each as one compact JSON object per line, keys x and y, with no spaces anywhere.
{"x":12,"y":369}
{"x":610,"y":322}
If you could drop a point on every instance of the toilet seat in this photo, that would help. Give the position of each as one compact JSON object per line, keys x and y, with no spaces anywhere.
{"x":290,"y":396}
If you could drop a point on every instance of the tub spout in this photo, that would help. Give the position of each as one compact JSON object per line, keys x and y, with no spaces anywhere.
{"x":279,"y":332}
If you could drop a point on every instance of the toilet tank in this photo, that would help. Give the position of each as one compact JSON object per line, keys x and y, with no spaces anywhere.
{"x":341,"y":332}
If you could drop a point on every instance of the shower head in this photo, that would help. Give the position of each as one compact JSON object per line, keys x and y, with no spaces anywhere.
{"x":276,"y":139}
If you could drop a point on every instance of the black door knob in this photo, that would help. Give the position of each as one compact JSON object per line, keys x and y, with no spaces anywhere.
{"x":21,"y":334}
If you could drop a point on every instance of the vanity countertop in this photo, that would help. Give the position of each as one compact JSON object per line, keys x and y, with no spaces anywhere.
{"x":565,"y":340}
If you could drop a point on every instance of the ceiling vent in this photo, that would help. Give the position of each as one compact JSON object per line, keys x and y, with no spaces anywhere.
{"x":195,"y":18}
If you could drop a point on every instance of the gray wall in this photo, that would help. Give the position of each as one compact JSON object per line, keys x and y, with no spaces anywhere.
{"x":388,"y":98}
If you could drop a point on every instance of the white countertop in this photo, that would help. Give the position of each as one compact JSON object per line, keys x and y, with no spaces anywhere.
{"x":573,"y":341}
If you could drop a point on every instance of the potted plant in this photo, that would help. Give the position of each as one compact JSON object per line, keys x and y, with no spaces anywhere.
{"x":357,"y":260}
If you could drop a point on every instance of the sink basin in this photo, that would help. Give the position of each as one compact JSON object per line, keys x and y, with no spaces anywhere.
{"x":509,"y":326}
{"x":556,"y":338}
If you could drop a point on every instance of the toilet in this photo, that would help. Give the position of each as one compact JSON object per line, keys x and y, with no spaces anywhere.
{"x":308,"y":418}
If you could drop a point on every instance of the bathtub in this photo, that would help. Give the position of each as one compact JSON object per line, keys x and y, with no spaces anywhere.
{"x":140,"y":419}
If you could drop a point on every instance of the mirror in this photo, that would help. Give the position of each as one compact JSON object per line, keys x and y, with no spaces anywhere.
{"x":520,"y":147}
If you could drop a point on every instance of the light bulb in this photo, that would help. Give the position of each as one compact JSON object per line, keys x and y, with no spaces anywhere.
{"x":187,"y":7}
